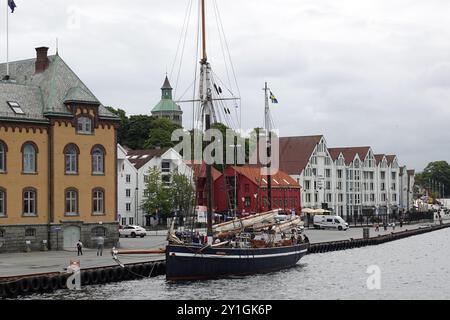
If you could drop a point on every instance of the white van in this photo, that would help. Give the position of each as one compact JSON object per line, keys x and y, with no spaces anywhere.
{"x":331,"y":222}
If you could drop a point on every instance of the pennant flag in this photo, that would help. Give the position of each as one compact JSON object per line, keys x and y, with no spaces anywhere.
{"x":272,"y":97}
{"x":12,"y":5}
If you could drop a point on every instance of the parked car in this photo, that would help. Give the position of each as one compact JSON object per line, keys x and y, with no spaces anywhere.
{"x":132,"y":231}
{"x":332,"y":222}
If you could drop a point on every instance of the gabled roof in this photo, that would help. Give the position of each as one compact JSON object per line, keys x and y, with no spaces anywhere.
{"x":140,"y":158}
{"x":379,"y":158}
{"x":295,"y":152}
{"x":390,"y":159}
{"x":44,"y":93}
{"x":350,"y":153}
{"x":200,"y":170}
{"x":279,"y":180}
{"x":334,"y":153}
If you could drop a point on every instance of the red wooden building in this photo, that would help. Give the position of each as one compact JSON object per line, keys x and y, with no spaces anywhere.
{"x":251,"y":190}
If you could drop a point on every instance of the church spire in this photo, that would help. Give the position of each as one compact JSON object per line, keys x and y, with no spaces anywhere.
{"x":166,"y":89}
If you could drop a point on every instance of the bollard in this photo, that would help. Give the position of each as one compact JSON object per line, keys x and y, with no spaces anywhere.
{"x":44,"y":246}
{"x":28,"y":246}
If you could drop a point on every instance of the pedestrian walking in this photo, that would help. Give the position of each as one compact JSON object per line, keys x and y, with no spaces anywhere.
{"x":385,"y":226}
{"x":100,"y":244}
{"x":401,"y":223}
{"x":377,"y":227}
{"x":80,"y":247}
{"x":393,"y":226}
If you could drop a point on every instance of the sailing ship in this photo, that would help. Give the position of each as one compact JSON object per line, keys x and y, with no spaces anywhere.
{"x":250,"y":245}
{"x":238,"y":250}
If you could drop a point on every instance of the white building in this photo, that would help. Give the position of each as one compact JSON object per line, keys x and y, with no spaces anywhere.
{"x":352,"y":181}
{"x":134,"y":167}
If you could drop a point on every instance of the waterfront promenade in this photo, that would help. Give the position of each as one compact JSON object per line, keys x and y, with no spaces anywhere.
{"x":12,"y":264}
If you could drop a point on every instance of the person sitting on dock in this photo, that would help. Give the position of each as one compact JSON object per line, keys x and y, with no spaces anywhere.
{"x":306,"y":239}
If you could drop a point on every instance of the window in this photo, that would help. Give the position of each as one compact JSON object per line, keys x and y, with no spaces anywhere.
{"x":84,"y":125}
{"x":166,"y":179}
{"x":340,"y":197}
{"x":128,"y":207}
{"x":71,"y":152}
{"x":71,"y":202}
{"x":339,"y":174}
{"x":383,"y":188}
{"x":247,"y":202}
{"x":339,"y":185}
{"x":383,"y":175}
{"x":145,"y":179}
{"x":328,"y":186}
{"x":394,"y":197}
{"x":29,"y":202}
{"x":29,"y":151}
{"x":124,"y":221}
{"x":308,"y":197}
{"x":15,"y":107}
{"x":131,"y":220}
{"x":128,"y":193}
{"x":30,"y":232}
{"x":328,"y":173}
{"x":128,"y":178}
{"x":307,"y":185}
{"x":98,"y":199}
{"x":165,"y":167}
{"x":394,"y":175}
{"x":329,"y":198}
{"x":98,"y":160}
{"x":3,"y":150}
{"x":2,"y":202}
{"x":327,"y":161}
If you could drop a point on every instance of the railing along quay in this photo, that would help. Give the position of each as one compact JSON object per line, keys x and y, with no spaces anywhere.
{"x":323,"y":247}
{"x":13,"y":287}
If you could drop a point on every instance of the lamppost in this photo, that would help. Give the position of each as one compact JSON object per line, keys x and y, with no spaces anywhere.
{"x":256,"y":202}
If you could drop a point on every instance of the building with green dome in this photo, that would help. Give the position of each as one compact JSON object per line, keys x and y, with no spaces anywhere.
{"x":167,"y":108}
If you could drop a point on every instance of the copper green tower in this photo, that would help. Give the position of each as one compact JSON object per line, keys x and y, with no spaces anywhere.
{"x":167,"y":108}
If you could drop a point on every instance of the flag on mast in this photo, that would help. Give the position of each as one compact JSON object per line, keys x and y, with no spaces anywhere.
{"x":272,"y":97}
{"x":12,"y":5}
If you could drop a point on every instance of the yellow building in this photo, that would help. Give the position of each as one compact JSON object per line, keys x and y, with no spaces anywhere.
{"x":58,"y":181}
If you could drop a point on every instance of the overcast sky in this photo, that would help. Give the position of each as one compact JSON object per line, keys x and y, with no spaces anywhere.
{"x":361,"y":72}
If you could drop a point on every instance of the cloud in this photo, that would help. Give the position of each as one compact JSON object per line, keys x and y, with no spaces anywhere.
{"x":361,"y":72}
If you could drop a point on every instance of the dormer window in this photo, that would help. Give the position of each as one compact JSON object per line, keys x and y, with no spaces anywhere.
{"x":15,"y":107}
{"x":84,"y":125}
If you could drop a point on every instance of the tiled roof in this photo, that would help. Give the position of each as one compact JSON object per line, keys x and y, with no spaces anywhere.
{"x":139,"y":158}
{"x":295,"y":152}
{"x":390,"y":159}
{"x":350,"y":153}
{"x":279,"y":180}
{"x":379,"y":158}
{"x":200,"y":170}
{"x":44,"y":93}
{"x":334,"y":153}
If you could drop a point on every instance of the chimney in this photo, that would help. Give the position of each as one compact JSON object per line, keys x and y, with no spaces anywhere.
{"x":42,"y":61}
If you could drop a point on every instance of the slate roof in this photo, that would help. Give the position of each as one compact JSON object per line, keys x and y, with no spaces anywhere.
{"x":379,"y":158}
{"x":44,"y":93}
{"x":390,"y":159}
{"x":295,"y":153}
{"x":139,"y":158}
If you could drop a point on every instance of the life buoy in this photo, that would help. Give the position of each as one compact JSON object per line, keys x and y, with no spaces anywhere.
{"x":25,"y":286}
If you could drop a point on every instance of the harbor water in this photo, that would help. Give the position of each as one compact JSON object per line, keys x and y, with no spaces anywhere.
{"x":412,"y":268}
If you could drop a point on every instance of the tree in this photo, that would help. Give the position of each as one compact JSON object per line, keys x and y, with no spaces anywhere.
{"x":183,"y":194}
{"x":157,"y":198}
{"x":160,"y":133}
{"x":435,"y":178}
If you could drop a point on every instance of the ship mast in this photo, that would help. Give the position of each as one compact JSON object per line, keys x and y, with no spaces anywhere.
{"x":207,"y":111}
{"x":268,"y":137}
